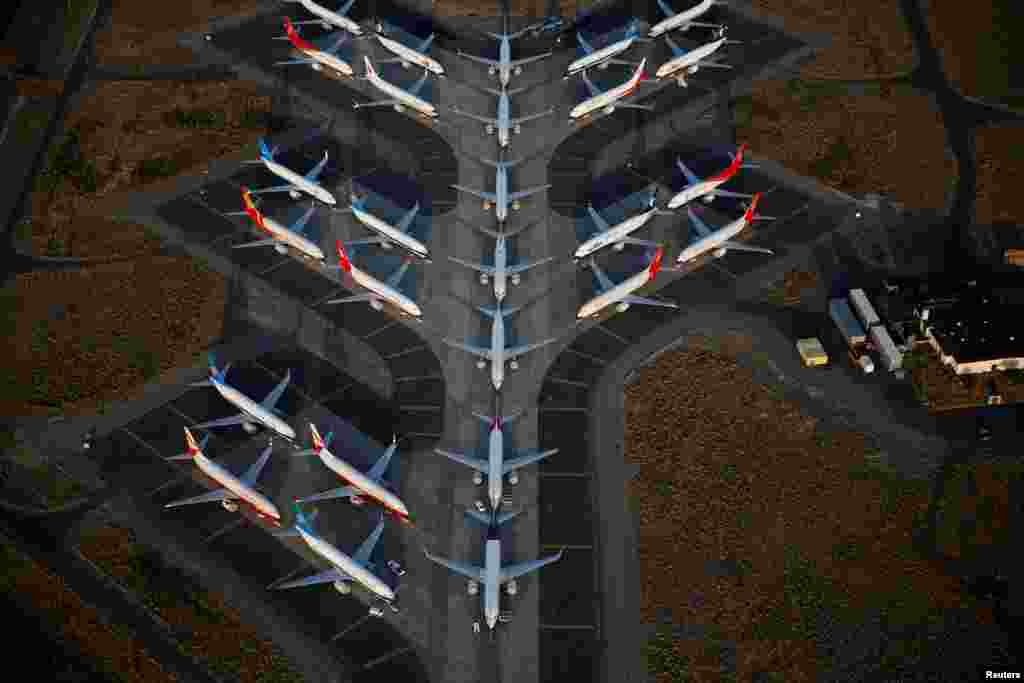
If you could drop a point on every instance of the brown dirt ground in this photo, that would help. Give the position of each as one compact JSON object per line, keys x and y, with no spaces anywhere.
{"x":998,"y":152}
{"x":947,"y":391}
{"x":740,"y":473}
{"x":956,"y":34}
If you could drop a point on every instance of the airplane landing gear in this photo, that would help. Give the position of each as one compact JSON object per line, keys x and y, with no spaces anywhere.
{"x":710,"y":197}
{"x":490,"y":129}
{"x":516,"y":129}
{"x":472,"y":587}
{"x":342,"y":587}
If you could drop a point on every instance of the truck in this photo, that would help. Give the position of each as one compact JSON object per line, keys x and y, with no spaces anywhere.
{"x":890,"y":355}
{"x":864,"y":309}
{"x":849,"y":327}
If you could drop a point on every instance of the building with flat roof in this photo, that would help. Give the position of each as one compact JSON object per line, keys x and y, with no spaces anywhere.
{"x":976,"y":335}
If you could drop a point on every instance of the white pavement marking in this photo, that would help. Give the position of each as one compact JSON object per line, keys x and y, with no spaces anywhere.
{"x":406,"y":352}
{"x":302,"y":567}
{"x":570,"y":382}
{"x":612,"y":334}
{"x":559,"y":546}
{"x":581,"y":475}
{"x":569,"y":627}
{"x":357,"y":622}
{"x":150,"y":446}
{"x":275,"y":266}
{"x":389,"y":656}
{"x":223,"y":530}
{"x":587,"y":356}
{"x":380,"y":329}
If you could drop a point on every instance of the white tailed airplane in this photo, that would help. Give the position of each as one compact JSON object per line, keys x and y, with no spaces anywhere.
{"x":501,"y":270}
{"x":235,"y":489}
{"x":718,"y":242}
{"x":406,"y":55}
{"x":618,"y":234}
{"x":378,"y":291}
{"x":296,"y":183}
{"x":362,"y":487}
{"x":505,"y":66}
{"x":501,"y":198}
{"x":281,"y":237}
{"x":390,"y":235}
{"x":608,"y":100}
{"x":346,"y":569}
{"x":400,"y":98}
{"x":315,"y":57}
{"x":493,"y":575}
{"x":496,"y":466}
{"x":253,"y":413}
{"x":621,"y":295}
{"x":682,"y":20}
{"x":707,"y":190}
{"x":688,"y":62}
{"x":504,"y":123}
{"x":603,"y":57}
{"x":498,"y":353}
{"x":327,"y":18}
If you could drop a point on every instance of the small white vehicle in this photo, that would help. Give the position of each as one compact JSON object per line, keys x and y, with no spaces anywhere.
{"x":376,"y":611}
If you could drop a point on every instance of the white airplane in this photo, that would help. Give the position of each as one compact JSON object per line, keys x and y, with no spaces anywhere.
{"x":621,"y":295}
{"x":493,"y":575}
{"x":501,"y":198}
{"x":497,"y":354}
{"x":281,"y":237}
{"x":406,"y":55}
{"x":315,"y":57}
{"x":235,"y":489}
{"x":362,"y":487}
{"x":688,"y":62}
{"x":707,"y":189}
{"x":608,"y":100}
{"x":253,"y":413}
{"x":346,"y":569}
{"x":504,"y":123}
{"x":603,"y":57}
{"x":618,"y":234}
{"x":505,"y":66}
{"x":718,"y":242}
{"x":400,"y":99}
{"x":327,"y":18}
{"x":296,"y":184}
{"x":501,"y":271}
{"x":496,"y":466}
{"x":389,"y":235}
{"x":378,"y":291}
{"x":682,"y":20}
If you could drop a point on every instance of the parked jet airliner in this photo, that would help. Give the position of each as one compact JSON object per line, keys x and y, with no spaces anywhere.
{"x":505,"y":66}
{"x":608,"y":100}
{"x":682,"y":20}
{"x":327,"y":18}
{"x":316,"y":58}
{"x":406,"y":55}
{"x":296,"y":183}
{"x":707,"y":190}
{"x":400,"y":98}
{"x":621,"y":295}
{"x":618,"y":234}
{"x":501,"y":271}
{"x":379,"y":292}
{"x":390,"y":235}
{"x":719,"y":242}
{"x":281,"y":237}
{"x":253,"y":413}
{"x":504,"y":123}
{"x":688,"y":62}
{"x":604,"y":56}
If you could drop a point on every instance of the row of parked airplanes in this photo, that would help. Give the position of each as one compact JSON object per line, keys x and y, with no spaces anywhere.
{"x":683,"y":63}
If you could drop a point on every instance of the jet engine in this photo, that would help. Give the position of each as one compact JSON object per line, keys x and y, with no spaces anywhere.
{"x":326,"y":25}
{"x":622,"y":307}
{"x":516,"y":129}
{"x":693,"y":69}
{"x":709,"y":197}
{"x":681,"y":81}
{"x":619,"y":246}
{"x":483,"y":278}
{"x":281,"y":249}
{"x":518,"y":70}
{"x":376,"y":305}
{"x":356,"y":500}
{"x":515,"y":204}
{"x":294,"y":194}
{"x":317,"y":66}
{"x":490,"y":129}
{"x":491,"y":71}
{"x":513,"y":365}
{"x":513,"y":478}
{"x":515,"y":278}
{"x":405,"y":65}
{"x":399,"y":108}
{"x":487,"y":205}
{"x":609,"y":109}
{"x":478,"y":478}
{"x":472,"y":587}
{"x":249,"y":427}
{"x":386,"y":245}
{"x":511,"y":588}
{"x":342,"y":587}
{"x":720,"y":252}
{"x":229,"y":505}
{"x":481,"y":364}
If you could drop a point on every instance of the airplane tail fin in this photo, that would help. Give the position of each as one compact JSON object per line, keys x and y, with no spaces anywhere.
{"x":301,"y":519}
{"x":251,"y":210}
{"x":215,"y":373}
{"x":656,"y":262}
{"x":293,"y":36}
{"x":370,"y":71}
{"x":751,"y":210}
{"x":190,"y":443}
{"x":639,"y":74}
{"x":343,"y":261}
{"x":265,"y":151}
{"x":319,"y":443}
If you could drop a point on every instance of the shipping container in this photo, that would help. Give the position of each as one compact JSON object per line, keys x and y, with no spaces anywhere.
{"x":891,"y":355}
{"x":842,"y":316}
{"x":864,"y":308}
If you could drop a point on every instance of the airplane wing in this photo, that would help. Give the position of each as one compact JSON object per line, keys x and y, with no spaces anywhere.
{"x":343,"y":492}
{"x":526,"y":348}
{"x":314,"y":172}
{"x":602,"y":224}
{"x":397,"y":276}
{"x":489,"y":196}
{"x":717,"y":65}
{"x":253,"y":473}
{"x":734,"y":195}
{"x":481,"y":119}
{"x":418,"y":85}
{"x":699,"y":225}
{"x":642,"y":243}
{"x":602,"y":279}
{"x":479,"y":60}
{"x":676,"y":50}
{"x":299,"y":226}
{"x":594,"y":90}
{"x":650,"y":302}
{"x":691,"y":177}
{"x":258,"y":243}
{"x":366,"y":296}
{"x":209,"y":497}
{"x":295,"y":61}
{"x":526,"y":459}
{"x":740,"y":246}
{"x":377,"y":471}
{"x":329,"y":576}
{"x":514,"y":571}
{"x":467,"y":460}
{"x":344,"y":7}
{"x":531,"y":117}
{"x":527,"y":192}
{"x":521,"y":267}
{"x":425,"y":45}
{"x":272,"y":188}
{"x":479,"y":267}
{"x":470,"y":572}
{"x":403,"y":225}
{"x":275,"y":394}
{"x":528,"y":60}
{"x":369,"y":240}
{"x":587,"y":49}
{"x":225,"y":421}
{"x":362,"y":555}
{"x":475,"y":350}
{"x":665,"y":9}
{"x":337,"y":44}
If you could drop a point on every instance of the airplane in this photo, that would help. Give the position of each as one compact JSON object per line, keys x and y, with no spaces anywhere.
{"x":501,"y":270}
{"x":504,"y":66}
{"x":609,"y":99}
{"x":504,"y":123}
{"x":378,"y":291}
{"x":315,"y":57}
{"x":252,"y":413}
{"x":389,"y":235}
{"x":408,"y":55}
{"x":400,"y":98}
{"x":707,"y":189}
{"x":498,"y":353}
{"x":501,"y":198}
{"x":603,"y":57}
{"x":688,"y":62}
{"x":328,"y":18}
{"x":493,"y":575}
{"x":496,"y":466}
{"x":618,"y":234}
{"x":346,"y":569}
{"x":296,"y":183}
{"x":718,"y":242}
{"x":362,"y":487}
{"x":281,"y":237}
{"x":682,"y":20}
{"x":235,"y":489}
{"x":621,"y":295}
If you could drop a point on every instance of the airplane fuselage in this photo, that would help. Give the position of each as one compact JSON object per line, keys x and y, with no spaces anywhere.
{"x":505,"y":62}
{"x":332,"y":62}
{"x":263,"y":507}
{"x":307,"y":186}
{"x":386,"y":292}
{"x":501,"y":194}
{"x":685,"y":61}
{"x":503,"y":120}
{"x":680,"y":20}
{"x":712,"y":241}
{"x":253,"y":409}
{"x":498,"y":351}
{"x":390,"y":232}
{"x":492,"y":570}
{"x":614,"y":234}
{"x":292,"y":239}
{"x":614,"y":295}
{"x":596,"y":57}
{"x":366,"y":486}
{"x":603,"y":100}
{"x":403,"y":96}
{"x":346,"y":564}
{"x":333,"y":18}
{"x":411,"y":56}
{"x":695,"y":191}
{"x":500,"y":264}
{"x":495,"y":462}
